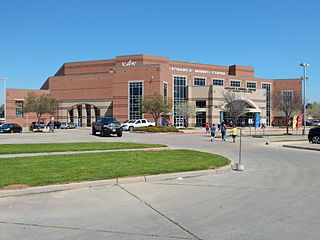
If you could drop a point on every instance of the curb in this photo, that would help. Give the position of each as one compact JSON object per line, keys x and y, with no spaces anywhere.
{"x":300,"y":147}
{"x":112,"y":182}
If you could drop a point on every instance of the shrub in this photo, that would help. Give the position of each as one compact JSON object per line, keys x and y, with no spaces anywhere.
{"x":156,"y":129}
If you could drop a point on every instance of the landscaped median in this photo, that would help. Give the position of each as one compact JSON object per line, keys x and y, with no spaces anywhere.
{"x":63,"y":147}
{"x":57,"y":169}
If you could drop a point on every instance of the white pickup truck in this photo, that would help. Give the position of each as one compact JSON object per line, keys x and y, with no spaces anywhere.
{"x":131,"y":124}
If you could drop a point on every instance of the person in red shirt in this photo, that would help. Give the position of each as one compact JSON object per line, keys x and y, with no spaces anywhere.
{"x":207,"y":128}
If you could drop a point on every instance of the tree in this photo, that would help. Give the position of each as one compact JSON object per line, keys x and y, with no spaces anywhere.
{"x":314,"y":110}
{"x":235,"y":106}
{"x":155,"y":106}
{"x":2,"y":111}
{"x":40,"y":105}
{"x":286,"y":106}
{"x":186,"y":110}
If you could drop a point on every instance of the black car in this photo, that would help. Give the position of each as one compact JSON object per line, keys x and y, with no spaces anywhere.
{"x":37,"y":126}
{"x":10,"y":128}
{"x":107,"y":126}
{"x":314,"y":135}
{"x":57,"y":124}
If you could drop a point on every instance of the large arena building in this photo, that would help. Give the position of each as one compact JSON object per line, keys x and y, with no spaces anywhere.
{"x":90,"y":89}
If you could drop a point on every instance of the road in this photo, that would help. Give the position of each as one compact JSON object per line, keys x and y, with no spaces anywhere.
{"x":276,"y":197}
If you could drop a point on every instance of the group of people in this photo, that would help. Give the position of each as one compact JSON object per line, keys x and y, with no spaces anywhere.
{"x":223,"y":129}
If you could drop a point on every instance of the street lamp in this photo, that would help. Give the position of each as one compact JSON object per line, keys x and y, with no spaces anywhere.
{"x":304,"y":65}
{"x":4,"y":98}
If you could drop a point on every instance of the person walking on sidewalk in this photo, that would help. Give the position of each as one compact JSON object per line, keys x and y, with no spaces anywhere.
{"x":234,"y":133}
{"x":207,"y":128}
{"x":213,"y":132}
{"x":223,"y":129}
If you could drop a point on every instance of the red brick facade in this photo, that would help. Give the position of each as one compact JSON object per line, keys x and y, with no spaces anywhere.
{"x":107,"y":82}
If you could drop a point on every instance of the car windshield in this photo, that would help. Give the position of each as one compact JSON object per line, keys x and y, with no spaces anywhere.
{"x":107,"y":120}
{"x":131,"y":121}
{"x":7,"y":125}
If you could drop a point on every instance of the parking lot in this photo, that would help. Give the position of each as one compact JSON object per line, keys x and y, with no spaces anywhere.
{"x":274,"y":198}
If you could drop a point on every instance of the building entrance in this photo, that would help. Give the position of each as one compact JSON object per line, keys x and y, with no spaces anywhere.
{"x":242,"y":120}
{"x":201,"y":119}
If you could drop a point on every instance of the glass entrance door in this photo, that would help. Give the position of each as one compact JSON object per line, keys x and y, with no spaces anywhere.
{"x":201,"y":119}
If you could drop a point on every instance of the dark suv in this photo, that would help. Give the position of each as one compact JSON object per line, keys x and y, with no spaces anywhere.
{"x":107,"y":126}
{"x":314,"y":135}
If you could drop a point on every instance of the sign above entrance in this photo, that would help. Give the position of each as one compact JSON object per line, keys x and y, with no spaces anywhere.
{"x":196,"y":71}
{"x":240,"y":89}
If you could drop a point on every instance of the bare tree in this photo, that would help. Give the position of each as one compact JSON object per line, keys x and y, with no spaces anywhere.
{"x":314,"y":110}
{"x":286,"y":106}
{"x":156,"y":106}
{"x":235,"y":106}
{"x":186,"y":110}
{"x":1,"y":110}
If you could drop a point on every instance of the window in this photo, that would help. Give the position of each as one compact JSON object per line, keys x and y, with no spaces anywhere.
{"x":144,"y":121}
{"x":71,"y":114}
{"x":135,"y":93}
{"x":268,"y":114}
{"x":19,"y":108}
{"x":199,"y":81}
{"x":79,"y":108}
{"x":88,"y":111}
{"x":251,"y":85}
{"x":96,"y":112}
{"x":179,"y":96}
{"x":287,"y":95}
{"x":217,"y":82}
{"x":165,"y":90}
{"x":235,"y":83}
{"x":201,"y":104}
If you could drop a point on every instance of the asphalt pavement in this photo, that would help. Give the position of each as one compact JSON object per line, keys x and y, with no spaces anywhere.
{"x":276,"y":197}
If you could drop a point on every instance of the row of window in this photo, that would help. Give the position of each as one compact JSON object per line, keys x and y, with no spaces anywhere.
{"x":219,"y":82}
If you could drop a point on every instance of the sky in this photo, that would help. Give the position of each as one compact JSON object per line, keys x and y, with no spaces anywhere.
{"x":273,"y":36}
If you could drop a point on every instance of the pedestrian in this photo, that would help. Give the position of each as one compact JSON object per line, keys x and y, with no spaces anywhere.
{"x":234,"y":133}
{"x":223,"y":129}
{"x":213,"y":132}
{"x":207,"y":128}
{"x":51,"y":125}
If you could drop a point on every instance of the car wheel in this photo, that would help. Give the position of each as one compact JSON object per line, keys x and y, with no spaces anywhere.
{"x":316,"y":140}
{"x":130,"y":128}
{"x":94,"y":131}
{"x":119,"y":134}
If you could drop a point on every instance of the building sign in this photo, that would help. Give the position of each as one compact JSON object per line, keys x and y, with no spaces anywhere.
{"x":129,"y":63}
{"x":240,"y":89}
{"x":177,"y":69}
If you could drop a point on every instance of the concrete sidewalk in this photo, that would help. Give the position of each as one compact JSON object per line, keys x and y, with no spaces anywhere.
{"x":302,"y":145}
{"x":111,"y":182}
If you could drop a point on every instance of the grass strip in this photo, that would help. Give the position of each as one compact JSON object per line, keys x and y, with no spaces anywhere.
{"x":54,"y":169}
{"x":63,"y":147}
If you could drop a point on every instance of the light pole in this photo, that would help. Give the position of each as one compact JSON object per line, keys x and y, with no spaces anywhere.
{"x":304,"y":65}
{"x":4,"y":98}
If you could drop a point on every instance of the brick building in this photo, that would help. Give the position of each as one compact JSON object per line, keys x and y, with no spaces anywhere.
{"x":89,"y":89}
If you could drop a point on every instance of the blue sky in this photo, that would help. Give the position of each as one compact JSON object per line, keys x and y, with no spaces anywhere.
{"x":274,"y":37}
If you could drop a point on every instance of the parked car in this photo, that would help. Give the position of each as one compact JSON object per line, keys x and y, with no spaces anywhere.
{"x":107,"y":126}
{"x":37,"y":126}
{"x":57,"y":124}
{"x":314,"y":135}
{"x":10,"y":128}
{"x":130,"y":125}
{"x":67,"y":125}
